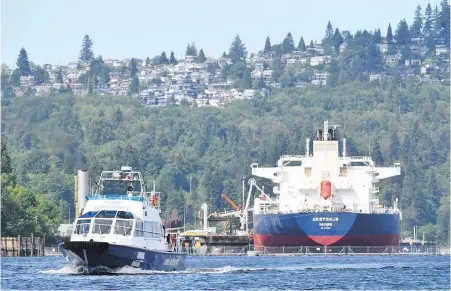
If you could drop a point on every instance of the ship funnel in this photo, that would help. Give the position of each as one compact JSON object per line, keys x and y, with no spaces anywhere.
{"x":83,"y":189}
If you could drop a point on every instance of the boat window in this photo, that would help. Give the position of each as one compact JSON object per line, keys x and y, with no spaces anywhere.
{"x":82,"y":226}
{"x":89,"y":214}
{"x":124,"y":215}
{"x":102,"y":226}
{"x":123,"y":227}
{"x":139,"y":228}
{"x":106,"y":214}
{"x":147,"y":229}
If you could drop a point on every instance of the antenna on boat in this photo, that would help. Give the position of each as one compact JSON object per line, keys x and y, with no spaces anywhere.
{"x":153,"y":185}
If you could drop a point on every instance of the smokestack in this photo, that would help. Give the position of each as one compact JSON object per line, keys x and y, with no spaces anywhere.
{"x":83,"y":189}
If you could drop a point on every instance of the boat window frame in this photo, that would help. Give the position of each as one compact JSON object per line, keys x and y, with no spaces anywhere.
{"x":127,"y":229}
{"x":80,"y":224}
{"x":128,"y":215}
{"x":105,"y":212}
{"x":139,"y":228}
{"x":94,"y":223}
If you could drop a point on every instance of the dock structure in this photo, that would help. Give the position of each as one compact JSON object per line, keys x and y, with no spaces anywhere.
{"x":22,"y":246}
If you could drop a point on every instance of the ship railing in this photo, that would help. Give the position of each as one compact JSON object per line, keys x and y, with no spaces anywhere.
{"x":349,"y":250}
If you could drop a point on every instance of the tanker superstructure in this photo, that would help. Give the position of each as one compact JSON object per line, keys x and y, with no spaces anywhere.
{"x":324,"y":198}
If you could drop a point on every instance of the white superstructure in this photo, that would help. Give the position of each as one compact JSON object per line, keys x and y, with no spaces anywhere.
{"x":324,"y":180}
{"x":121,"y":212}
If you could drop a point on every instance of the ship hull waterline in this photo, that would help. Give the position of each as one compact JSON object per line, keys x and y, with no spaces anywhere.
{"x":326,"y":229}
{"x":97,"y":255}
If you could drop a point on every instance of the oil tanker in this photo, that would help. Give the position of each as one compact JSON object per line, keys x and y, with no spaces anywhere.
{"x":323,"y":198}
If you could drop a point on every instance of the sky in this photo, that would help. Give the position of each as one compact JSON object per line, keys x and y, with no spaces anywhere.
{"x":51,"y":31}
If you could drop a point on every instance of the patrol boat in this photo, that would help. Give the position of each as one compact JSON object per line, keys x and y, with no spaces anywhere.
{"x":323,"y":199}
{"x":120,"y":226}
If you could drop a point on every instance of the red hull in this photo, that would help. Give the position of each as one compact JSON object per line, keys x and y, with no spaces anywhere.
{"x":346,"y":240}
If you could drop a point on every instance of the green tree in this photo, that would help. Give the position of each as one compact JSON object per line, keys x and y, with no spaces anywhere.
{"x":444,"y":19}
{"x":301,"y":45}
{"x":237,"y":49}
{"x":191,"y":50}
{"x":147,"y":61}
{"x":443,"y":218}
{"x":40,"y":75}
{"x":402,"y":34}
{"x":311,"y":44}
{"x":59,"y":77}
{"x":133,"y":67}
{"x":377,"y":36}
{"x":417,"y":25}
{"x":376,"y":154}
{"x":247,"y":79}
{"x":86,"y":53}
{"x":201,"y":57}
{"x":389,"y":36}
{"x":224,"y":55}
{"x":6,"y":165}
{"x":428,"y":20}
{"x":337,"y":40}
{"x":437,"y":20}
{"x":118,"y":116}
{"x":172,"y":59}
{"x":288,"y":44}
{"x":163,"y":58}
{"x":134,"y":85}
{"x":267,"y":48}
{"x":23,"y":66}
{"x":278,"y":67}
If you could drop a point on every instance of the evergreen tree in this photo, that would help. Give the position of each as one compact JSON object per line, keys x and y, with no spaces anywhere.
{"x":247,"y":79}
{"x":133,"y":68}
{"x":23,"y":66}
{"x":445,"y":21}
{"x":329,"y":31}
{"x":59,"y":77}
{"x":389,"y":36}
{"x":267,"y":48}
{"x":191,"y":50}
{"x":334,"y":73}
{"x":377,"y":36}
{"x":311,"y":44}
{"x":428,"y":20}
{"x":224,"y":55}
{"x":237,"y":49}
{"x":437,"y":26}
{"x":134,"y":85}
{"x":118,"y":116}
{"x":163,"y":59}
{"x":6,"y":165}
{"x":417,"y":23}
{"x":40,"y":75}
{"x":86,"y":53}
{"x":394,"y":153}
{"x":376,"y":154}
{"x":172,"y":59}
{"x":301,"y":45}
{"x":288,"y":44}
{"x":402,"y":34}
{"x":147,"y":61}
{"x":201,"y":57}
{"x":337,"y":40}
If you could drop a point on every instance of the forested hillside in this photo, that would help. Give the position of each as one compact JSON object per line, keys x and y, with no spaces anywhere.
{"x":50,"y":137}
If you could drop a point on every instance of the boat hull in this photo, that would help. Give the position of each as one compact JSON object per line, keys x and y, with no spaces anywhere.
{"x":326,"y":229}
{"x":97,"y":255}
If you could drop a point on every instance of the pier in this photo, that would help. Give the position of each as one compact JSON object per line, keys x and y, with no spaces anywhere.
{"x":22,"y":246}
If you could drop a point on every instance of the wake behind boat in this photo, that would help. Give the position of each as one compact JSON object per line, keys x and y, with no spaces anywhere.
{"x":117,"y":230}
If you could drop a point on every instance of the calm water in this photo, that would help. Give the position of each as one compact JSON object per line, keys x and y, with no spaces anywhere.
{"x":244,"y":273}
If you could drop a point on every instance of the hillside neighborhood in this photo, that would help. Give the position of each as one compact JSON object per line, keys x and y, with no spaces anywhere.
{"x":200,"y":81}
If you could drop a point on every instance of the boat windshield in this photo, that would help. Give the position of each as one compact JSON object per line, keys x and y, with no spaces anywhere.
{"x":118,"y":187}
{"x":123,"y":227}
{"x":82,"y":226}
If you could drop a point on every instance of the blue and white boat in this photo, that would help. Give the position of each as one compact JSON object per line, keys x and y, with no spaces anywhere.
{"x":120,"y":225}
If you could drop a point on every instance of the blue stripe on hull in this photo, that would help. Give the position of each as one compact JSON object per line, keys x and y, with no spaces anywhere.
{"x":116,"y":256}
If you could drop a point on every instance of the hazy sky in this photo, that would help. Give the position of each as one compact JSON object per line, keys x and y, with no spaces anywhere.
{"x":52,"y":30}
